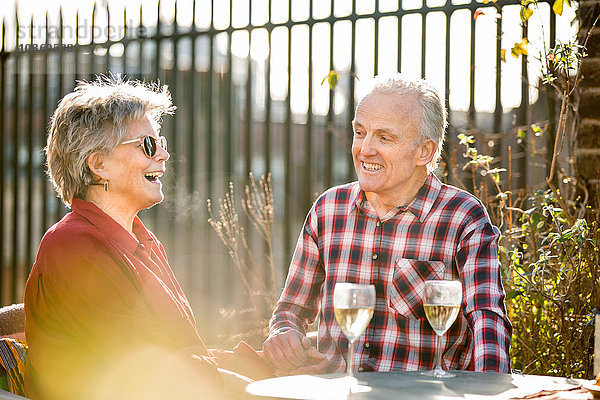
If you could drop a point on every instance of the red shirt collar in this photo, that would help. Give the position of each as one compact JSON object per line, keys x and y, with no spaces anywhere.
{"x":112,"y":228}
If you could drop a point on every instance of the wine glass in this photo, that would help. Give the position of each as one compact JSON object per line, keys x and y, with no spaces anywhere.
{"x":441,"y":301}
{"x":353,"y":305}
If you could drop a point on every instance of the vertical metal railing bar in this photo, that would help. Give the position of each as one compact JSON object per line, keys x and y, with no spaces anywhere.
{"x":105,"y":59}
{"x":158,"y":40}
{"x":446,"y":150}
{"x":423,"y":41}
{"x":471,"y":111}
{"x":30,"y":158}
{"x":140,"y":38}
{"x":329,"y":153}
{"x":267,"y":142}
{"x":191,"y":100}
{"x":125,"y":41}
{"x":267,"y":273}
{"x":3,"y":169}
{"x":247,"y":139}
{"x":60,"y":210}
{"x":46,"y":189}
{"x":174,"y":137}
{"x":209,"y":103}
{"x":76,"y":47}
{"x":286,"y":148}
{"x":15,"y":167}
{"x":229,"y":150}
{"x":60,"y":52}
{"x":92,"y":47}
{"x":171,"y":76}
{"x":246,"y":135}
{"x":309,"y":118}
{"x":376,"y":40}
{"x":191,"y":153}
{"x":209,"y":274}
{"x":498,"y":106}
{"x":156,"y":75}
{"x":553,"y":17}
{"x":523,"y":117}
{"x":400,"y":14}
{"x":351,"y":100}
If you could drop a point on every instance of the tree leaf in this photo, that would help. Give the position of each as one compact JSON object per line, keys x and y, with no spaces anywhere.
{"x":332,"y":79}
{"x":538,"y":131}
{"x":557,"y":7}
{"x":526,"y":13}
{"x":503,"y":55}
{"x":519,"y":48}
{"x":477,"y":14}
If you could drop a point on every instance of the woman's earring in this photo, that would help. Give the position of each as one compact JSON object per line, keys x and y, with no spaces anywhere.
{"x":106,"y":185}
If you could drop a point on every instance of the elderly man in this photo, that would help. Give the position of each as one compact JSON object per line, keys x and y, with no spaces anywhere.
{"x":395,"y":228}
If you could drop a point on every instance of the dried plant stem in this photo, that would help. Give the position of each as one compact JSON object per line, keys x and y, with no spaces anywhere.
{"x":258,"y":207}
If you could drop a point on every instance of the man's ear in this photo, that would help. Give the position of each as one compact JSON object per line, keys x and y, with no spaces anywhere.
{"x":96,"y":163}
{"x":427,"y":151}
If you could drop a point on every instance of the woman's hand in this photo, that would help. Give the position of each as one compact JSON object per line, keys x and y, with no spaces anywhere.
{"x":290,"y":352}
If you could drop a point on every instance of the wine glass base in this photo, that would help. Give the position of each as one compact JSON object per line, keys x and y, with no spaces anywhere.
{"x":438,"y":373}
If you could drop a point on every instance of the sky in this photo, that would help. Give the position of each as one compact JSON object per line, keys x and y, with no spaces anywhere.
{"x":460,"y":63}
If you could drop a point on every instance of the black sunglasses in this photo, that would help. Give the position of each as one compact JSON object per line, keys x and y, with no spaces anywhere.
{"x":149,"y":144}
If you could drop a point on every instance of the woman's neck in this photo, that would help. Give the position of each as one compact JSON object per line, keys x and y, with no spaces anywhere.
{"x":121,"y":214}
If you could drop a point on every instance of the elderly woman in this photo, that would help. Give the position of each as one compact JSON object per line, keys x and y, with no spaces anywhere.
{"x":105,"y":316}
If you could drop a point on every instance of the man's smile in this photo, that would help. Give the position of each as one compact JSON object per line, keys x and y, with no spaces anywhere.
{"x":371,"y":166}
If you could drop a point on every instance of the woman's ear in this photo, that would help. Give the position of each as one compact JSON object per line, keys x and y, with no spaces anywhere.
{"x":427,"y":151}
{"x":96,"y":163}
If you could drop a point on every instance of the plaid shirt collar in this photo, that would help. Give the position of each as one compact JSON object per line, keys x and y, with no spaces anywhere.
{"x":419,"y":206}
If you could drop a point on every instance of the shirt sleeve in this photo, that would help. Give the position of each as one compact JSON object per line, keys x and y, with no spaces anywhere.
{"x":299,"y":302}
{"x":479,"y":268}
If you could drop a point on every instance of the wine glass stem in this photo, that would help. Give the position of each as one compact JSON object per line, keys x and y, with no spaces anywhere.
{"x":350,"y":358}
{"x":438,"y":354}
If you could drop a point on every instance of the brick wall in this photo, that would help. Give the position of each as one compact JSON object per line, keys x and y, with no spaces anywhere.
{"x":587,"y":155}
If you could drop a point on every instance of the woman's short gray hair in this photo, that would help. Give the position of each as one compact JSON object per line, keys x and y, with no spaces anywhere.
{"x":433,"y":123}
{"x":94,"y":118}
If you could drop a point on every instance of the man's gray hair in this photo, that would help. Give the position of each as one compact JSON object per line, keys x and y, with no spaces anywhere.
{"x":94,"y":118}
{"x":433,"y":122}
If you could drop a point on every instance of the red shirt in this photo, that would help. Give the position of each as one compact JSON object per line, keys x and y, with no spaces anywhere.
{"x":444,"y":233}
{"x":97,"y":301}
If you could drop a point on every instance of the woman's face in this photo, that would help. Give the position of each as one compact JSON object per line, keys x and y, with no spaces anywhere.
{"x":134,"y":179}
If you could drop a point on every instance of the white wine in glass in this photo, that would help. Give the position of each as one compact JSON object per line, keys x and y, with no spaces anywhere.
{"x":353,"y":305}
{"x":441,"y":301}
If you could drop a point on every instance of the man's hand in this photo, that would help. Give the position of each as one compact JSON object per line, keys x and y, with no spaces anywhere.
{"x":290,"y":351}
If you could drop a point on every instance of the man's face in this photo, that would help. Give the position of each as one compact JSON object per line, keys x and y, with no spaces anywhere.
{"x":384,"y":149}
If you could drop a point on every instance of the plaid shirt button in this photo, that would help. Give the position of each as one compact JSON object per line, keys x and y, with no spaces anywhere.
{"x":374,"y":256}
{"x":367,"y":345}
{"x":361,"y":369}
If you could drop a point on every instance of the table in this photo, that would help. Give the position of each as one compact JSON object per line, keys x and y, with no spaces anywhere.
{"x":412,"y":385}
{"x":4,"y":395}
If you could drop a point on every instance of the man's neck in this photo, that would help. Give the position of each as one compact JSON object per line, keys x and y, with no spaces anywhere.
{"x":383,"y":203}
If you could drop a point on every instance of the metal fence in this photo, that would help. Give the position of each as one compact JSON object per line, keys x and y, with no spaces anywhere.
{"x":246,"y":78}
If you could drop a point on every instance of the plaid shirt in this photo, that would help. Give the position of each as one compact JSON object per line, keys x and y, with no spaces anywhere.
{"x":444,"y":233}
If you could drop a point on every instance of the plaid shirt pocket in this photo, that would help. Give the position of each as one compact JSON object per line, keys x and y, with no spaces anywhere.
{"x":405,"y":291}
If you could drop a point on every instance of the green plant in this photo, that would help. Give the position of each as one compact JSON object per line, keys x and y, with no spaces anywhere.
{"x":552,"y":273}
{"x":551,"y":268}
